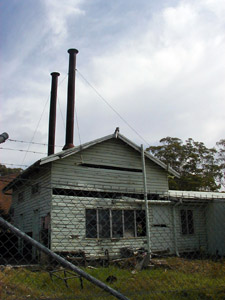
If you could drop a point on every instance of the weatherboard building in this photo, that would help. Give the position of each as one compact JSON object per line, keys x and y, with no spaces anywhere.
{"x":90,"y":198}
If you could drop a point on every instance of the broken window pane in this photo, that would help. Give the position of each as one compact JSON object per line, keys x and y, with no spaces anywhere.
{"x":129,"y":223}
{"x":140,"y":223}
{"x":117,"y":225}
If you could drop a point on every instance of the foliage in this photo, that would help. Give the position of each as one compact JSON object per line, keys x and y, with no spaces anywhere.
{"x":198,"y":166}
{"x":177,"y":278}
{"x":221,"y":158}
{"x":7,"y":171}
{"x":6,"y":216}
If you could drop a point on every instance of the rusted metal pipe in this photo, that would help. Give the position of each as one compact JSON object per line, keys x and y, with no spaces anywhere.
{"x":70,"y":99}
{"x":52,"y":114}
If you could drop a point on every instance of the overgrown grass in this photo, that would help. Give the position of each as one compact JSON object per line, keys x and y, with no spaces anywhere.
{"x":175,"y":278}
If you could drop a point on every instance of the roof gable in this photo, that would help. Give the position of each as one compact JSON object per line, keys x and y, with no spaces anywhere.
{"x":69,"y":152}
{"x":66,"y":153}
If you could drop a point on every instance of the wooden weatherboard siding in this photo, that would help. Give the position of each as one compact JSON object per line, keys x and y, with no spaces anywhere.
{"x":76,"y":180}
{"x":215,"y":219}
{"x":198,"y":240}
{"x":32,"y":204}
{"x":68,"y":228}
{"x":68,"y":212}
{"x":114,"y":153}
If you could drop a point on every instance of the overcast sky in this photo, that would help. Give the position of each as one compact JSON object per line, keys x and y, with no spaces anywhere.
{"x":159,"y":64}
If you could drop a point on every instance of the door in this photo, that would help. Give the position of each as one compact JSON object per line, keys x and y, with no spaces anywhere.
{"x":161,"y":228}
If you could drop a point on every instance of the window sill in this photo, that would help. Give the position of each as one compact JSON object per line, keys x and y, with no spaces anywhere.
{"x":116,"y":239}
{"x":187,"y":234}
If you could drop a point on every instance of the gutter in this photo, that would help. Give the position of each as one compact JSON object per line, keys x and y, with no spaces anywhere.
{"x":132,"y":200}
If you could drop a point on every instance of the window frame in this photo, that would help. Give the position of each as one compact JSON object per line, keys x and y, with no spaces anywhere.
{"x":91,"y":231}
{"x":113,"y":236}
{"x":187,"y":221}
{"x":110,"y":221}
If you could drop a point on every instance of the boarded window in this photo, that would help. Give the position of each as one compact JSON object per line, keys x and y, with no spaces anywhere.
{"x":91,"y":223}
{"x":187,"y":221}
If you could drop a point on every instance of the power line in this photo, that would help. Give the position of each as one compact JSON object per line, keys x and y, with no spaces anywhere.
{"x":31,"y":142}
{"x":63,"y":79}
{"x":8,"y":164}
{"x":35,"y":131}
{"x":61,"y":115}
{"x":78,"y":128}
{"x":25,"y":142}
{"x":107,"y":103}
{"x":22,"y":150}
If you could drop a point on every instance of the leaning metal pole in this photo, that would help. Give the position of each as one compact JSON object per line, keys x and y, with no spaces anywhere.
{"x":61,"y":260}
{"x":146,"y":202}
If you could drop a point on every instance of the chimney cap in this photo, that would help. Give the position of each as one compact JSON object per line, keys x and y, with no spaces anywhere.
{"x":55,"y":74}
{"x":71,"y":51}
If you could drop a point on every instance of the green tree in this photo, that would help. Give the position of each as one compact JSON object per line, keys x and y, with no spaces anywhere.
{"x":197,"y":165}
{"x":7,"y":171}
{"x":221,"y":158}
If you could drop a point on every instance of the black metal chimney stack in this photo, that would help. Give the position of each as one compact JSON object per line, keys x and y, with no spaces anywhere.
{"x":70,"y":99}
{"x":52,"y":114}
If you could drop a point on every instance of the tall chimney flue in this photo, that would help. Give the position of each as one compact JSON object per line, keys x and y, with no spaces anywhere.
{"x":52,"y":114}
{"x":70,"y":99}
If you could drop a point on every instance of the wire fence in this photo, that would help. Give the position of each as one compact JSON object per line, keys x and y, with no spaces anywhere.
{"x":76,"y":241}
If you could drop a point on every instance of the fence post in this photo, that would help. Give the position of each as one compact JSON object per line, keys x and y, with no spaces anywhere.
{"x":146,"y":203}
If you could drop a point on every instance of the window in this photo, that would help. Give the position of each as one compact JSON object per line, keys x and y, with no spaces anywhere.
{"x":140,"y":223}
{"x":20,"y":196}
{"x":187,"y":222}
{"x":129,"y":223}
{"x":107,"y":223}
{"x":117,"y":224}
{"x":103,"y":223}
{"x":35,"y":189}
{"x":91,"y":223}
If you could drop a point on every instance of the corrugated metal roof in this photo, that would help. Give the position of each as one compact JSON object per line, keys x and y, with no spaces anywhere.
{"x":196,"y":195}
